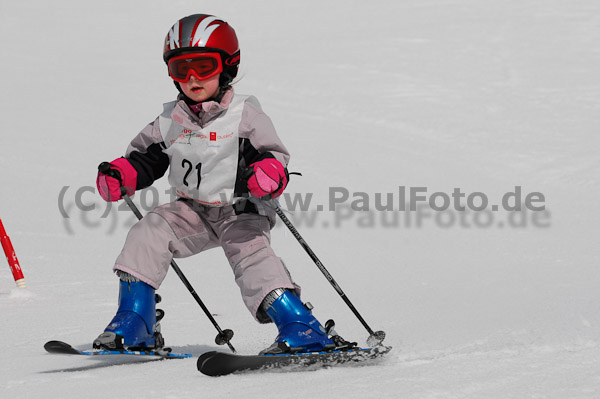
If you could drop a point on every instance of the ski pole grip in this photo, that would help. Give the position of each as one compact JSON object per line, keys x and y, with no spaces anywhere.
{"x":106,"y":168}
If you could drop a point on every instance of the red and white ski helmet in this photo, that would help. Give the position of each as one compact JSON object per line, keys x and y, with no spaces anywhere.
{"x":202,"y":33}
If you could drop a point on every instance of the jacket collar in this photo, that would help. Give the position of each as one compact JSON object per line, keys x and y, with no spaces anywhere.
{"x":210,"y":107}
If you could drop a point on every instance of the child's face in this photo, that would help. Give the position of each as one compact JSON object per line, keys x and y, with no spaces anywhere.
{"x":201,"y":90}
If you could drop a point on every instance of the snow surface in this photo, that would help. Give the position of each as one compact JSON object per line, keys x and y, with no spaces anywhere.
{"x":369,"y":96}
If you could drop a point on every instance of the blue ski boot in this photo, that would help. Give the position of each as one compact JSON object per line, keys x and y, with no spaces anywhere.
{"x":299,"y":330}
{"x":135,"y":325}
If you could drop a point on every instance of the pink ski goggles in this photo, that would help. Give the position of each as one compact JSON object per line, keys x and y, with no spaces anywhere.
{"x":201,"y":65}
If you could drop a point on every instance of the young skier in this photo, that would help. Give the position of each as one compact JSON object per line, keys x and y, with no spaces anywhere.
{"x":208,"y":139}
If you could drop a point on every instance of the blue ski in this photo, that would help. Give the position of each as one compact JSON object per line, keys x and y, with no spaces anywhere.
{"x":62,"y":348}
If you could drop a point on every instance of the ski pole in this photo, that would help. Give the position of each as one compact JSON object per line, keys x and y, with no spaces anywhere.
{"x":223,"y":336}
{"x":375,"y":337}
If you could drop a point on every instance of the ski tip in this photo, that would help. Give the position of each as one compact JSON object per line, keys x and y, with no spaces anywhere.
{"x":59,"y":347}
{"x":50,"y":344}
{"x":205,"y":357}
{"x":55,"y":344}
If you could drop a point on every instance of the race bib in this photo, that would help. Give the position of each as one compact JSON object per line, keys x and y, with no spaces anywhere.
{"x":204,"y":161}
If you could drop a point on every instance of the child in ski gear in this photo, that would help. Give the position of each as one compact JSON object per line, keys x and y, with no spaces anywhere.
{"x":208,"y":139}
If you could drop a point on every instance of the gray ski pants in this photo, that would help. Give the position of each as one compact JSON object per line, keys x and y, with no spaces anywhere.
{"x":184,"y":228}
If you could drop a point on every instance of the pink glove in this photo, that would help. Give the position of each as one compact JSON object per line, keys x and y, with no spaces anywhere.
{"x":110,"y":188}
{"x":268,"y":178}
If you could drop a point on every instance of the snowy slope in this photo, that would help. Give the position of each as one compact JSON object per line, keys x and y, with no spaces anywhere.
{"x":369,"y":97}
